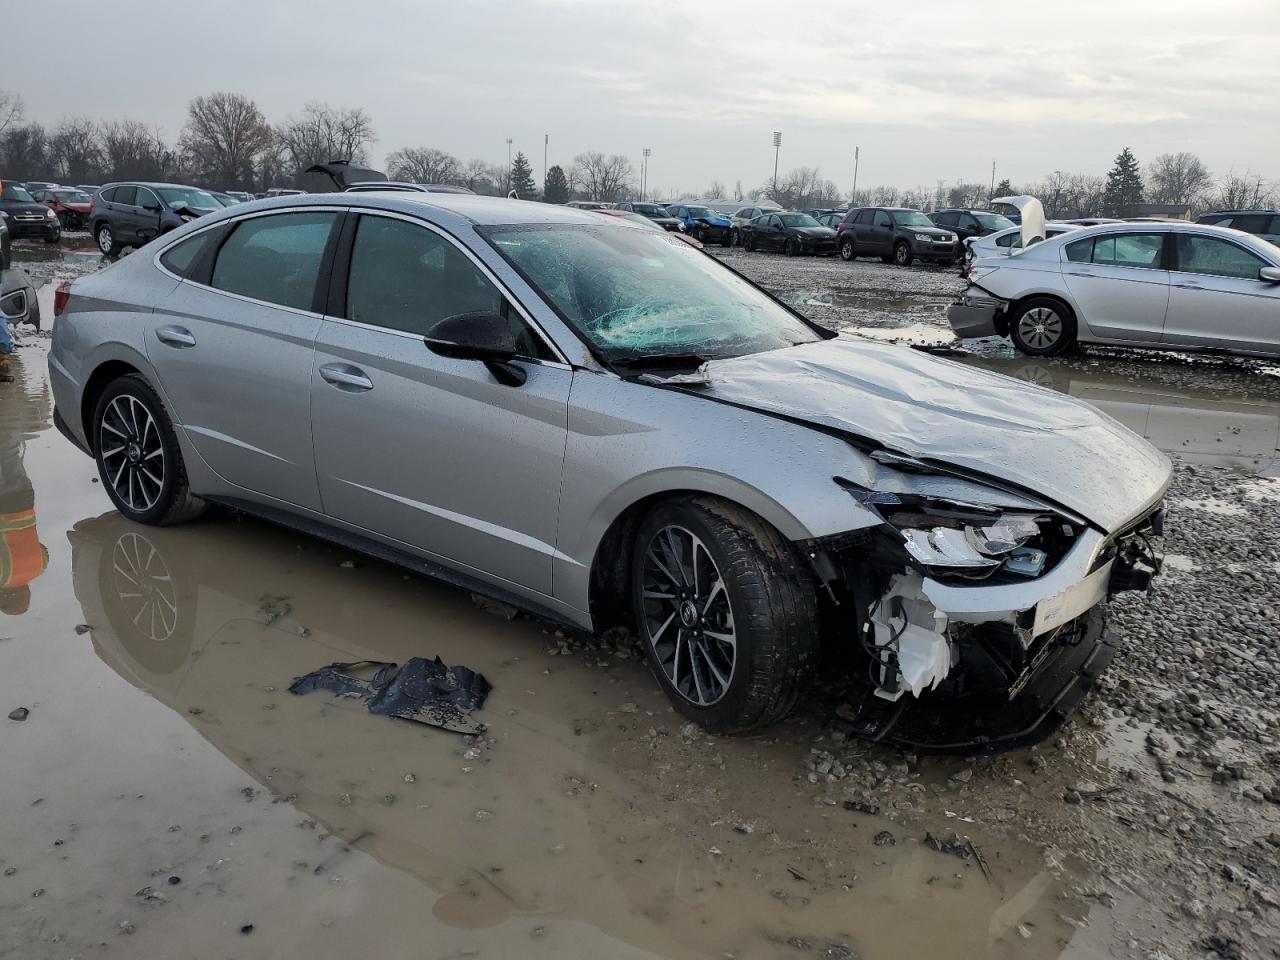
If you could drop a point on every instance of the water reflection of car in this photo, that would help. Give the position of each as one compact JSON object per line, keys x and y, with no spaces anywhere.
{"x":23,"y":557}
{"x":25,"y":218}
{"x":791,"y":233}
{"x":132,"y":214}
{"x":70,"y":206}
{"x":621,"y":430}
{"x":1171,"y":286}
{"x":703,"y":223}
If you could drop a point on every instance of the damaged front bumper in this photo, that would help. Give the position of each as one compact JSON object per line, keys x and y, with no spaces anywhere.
{"x":970,"y":666}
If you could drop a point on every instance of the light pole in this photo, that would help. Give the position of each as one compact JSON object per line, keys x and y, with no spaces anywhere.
{"x":992,"y":194}
{"x":644,"y":173}
{"x":777,"y":146}
{"x":508,"y":164}
{"x":546,"y":140}
{"x":853,"y":197}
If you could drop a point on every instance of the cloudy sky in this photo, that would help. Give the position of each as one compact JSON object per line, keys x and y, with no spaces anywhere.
{"x":929,"y":89}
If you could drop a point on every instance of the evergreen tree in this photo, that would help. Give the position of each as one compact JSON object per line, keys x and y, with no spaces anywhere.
{"x":1004,"y":188}
{"x":556,"y":187}
{"x":1124,"y":186}
{"x":522,"y":178}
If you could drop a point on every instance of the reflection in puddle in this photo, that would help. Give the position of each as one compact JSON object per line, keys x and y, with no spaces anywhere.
{"x":569,"y":813}
{"x":24,"y":412}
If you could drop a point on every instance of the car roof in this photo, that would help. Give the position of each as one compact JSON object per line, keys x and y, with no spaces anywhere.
{"x":150,"y":183}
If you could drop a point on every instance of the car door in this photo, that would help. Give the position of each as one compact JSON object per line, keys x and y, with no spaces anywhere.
{"x":233,"y":345}
{"x":432,"y":451}
{"x":125,"y":219}
{"x":147,"y":210}
{"x":1120,"y":284}
{"x":1216,"y":298}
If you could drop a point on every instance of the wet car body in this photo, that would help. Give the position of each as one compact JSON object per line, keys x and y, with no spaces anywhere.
{"x":790,"y":233}
{"x":1172,"y":286}
{"x":132,"y":214}
{"x":25,"y":218}
{"x":957,"y":545}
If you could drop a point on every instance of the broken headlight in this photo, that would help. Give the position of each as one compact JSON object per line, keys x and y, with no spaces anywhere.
{"x":971,"y":540}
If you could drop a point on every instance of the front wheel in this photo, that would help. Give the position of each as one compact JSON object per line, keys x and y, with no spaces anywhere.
{"x":791,"y":248}
{"x":726,"y":612}
{"x":138,"y":457}
{"x":1042,"y":327}
{"x":734,"y":238}
{"x":726,"y":240}
{"x":902,"y":254}
{"x":749,"y":243}
{"x":107,"y":240}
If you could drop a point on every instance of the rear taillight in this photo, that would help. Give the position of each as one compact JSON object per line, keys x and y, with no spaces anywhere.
{"x":61,"y":296}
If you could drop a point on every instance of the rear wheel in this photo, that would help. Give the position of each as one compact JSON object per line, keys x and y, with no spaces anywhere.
{"x":726,"y":612}
{"x":138,"y":456}
{"x":734,"y":238}
{"x":1042,"y":327}
{"x":902,"y":254}
{"x":846,"y":249}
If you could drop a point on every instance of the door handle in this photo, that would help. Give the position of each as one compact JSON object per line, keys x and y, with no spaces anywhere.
{"x":1189,"y":285}
{"x":179,"y":337}
{"x":1079,"y":273}
{"x":346,"y":377}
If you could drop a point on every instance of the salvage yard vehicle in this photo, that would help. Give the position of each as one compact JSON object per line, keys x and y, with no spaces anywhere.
{"x":601,"y":425}
{"x":25,"y":218}
{"x":970,"y":224}
{"x":1170,"y":286}
{"x":1005,"y":242}
{"x":792,"y":233}
{"x":131,"y":214}
{"x":1263,"y":223}
{"x":654,"y":212}
{"x":69,"y":205}
{"x":703,"y":223}
{"x":640,"y":220}
{"x":895,"y":235}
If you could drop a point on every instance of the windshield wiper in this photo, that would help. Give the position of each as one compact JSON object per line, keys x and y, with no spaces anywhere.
{"x":659,"y":361}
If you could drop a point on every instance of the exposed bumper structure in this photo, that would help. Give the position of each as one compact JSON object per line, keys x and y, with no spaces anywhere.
{"x":975,"y":315}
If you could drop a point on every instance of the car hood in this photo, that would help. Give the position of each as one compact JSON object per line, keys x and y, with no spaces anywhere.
{"x":21,"y":206}
{"x":715,"y":221}
{"x":1042,"y":441}
{"x":78,"y":207}
{"x":817,"y":233}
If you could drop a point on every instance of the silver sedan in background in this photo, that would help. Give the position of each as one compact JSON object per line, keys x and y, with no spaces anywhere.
{"x":607,"y":427}
{"x":1173,"y":286}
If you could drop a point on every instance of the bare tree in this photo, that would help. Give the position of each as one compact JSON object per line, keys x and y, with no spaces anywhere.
{"x":130,"y":151}
{"x":1247,"y":192}
{"x":23,"y":149}
{"x":1178,"y":178}
{"x":601,"y":178}
{"x":325,"y":133}
{"x":716,"y":191}
{"x":10,"y":110}
{"x":224,"y":135}
{"x":75,"y":150}
{"x":423,"y":165}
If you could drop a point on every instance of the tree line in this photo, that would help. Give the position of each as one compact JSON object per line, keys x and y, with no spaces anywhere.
{"x":227,"y":143}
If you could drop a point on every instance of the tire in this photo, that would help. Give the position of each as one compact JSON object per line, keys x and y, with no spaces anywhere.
{"x":1042,"y":327}
{"x":902,"y":254}
{"x":726,"y":240}
{"x":749,"y":243}
{"x":734,"y":238}
{"x":106,"y":239}
{"x":767,"y":604}
{"x":847,"y":249}
{"x":791,"y":248}
{"x":130,"y":415}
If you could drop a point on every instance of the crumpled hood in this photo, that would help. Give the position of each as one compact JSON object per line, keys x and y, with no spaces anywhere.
{"x":1048,"y":443}
{"x":715,"y":221}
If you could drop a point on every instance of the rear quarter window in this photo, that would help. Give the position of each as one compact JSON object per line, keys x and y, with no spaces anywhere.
{"x":275,"y":258}
{"x":182,"y":256}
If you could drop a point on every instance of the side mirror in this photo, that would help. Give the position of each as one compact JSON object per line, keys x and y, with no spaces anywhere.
{"x":1269,"y":274}
{"x":482,"y":336}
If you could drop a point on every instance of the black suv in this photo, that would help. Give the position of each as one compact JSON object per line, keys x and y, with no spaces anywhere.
{"x":970,"y":223}
{"x":26,"y":219}
{"x":130,"y":214}
{"x":1264,"y":223}
{"x":654,"y":212}
{"x":895,"y":235}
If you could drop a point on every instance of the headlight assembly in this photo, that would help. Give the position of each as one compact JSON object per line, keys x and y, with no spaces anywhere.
{"x":924,"y":238}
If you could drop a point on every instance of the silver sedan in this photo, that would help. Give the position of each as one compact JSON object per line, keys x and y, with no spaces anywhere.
{"x":607,"y":427}
{"x":1172,"y":286}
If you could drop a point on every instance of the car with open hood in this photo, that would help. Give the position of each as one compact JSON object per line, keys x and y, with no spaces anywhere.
{"x":1166,"y":286}
{"x":26,"y":218}
{"x":599,"y":424}
{"x":787,"y":232}
{"x":703,"y":223}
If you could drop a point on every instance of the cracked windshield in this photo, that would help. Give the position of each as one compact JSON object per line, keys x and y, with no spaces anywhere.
{"x":770,"y":502}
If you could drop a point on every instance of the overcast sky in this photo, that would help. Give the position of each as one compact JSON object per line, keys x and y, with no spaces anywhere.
{"x":929,"y":89}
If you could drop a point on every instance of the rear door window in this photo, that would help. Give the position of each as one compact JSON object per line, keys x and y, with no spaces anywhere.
{"x":882,"y":219}
{"x":275,"y":258}
{"x":1216,"y":258}
{"x":406,"y":277}
{"x":1251,"y":222}
{"x":1129,"y":250}
{"x":125,"y":195}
